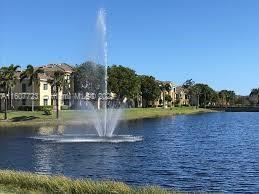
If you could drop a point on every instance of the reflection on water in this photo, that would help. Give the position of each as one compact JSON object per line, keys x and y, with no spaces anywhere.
{"x":48,"y":130}
{"x":43,"y":159}
{"x":81,"y":138}
{"x":215,"y":152}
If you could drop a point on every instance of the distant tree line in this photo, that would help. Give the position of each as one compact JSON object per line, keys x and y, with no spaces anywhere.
{"x":126,"y":83}
{"x":204,"y":95}
{"x":123,"y":81}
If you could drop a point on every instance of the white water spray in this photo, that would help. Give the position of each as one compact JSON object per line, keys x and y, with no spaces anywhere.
{"x":107,"y":119}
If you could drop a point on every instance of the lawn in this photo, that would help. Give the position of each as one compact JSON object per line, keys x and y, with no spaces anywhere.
{"x":21,"y":182}
{"x":72,"y":116}
{"x":137,"y":113}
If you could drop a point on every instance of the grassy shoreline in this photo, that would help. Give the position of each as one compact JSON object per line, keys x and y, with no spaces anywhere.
{"x":22,"y":182}
{"x":27,"y":118}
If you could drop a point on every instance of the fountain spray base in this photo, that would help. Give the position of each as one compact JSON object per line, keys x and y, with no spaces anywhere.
{"x":71,"y":138}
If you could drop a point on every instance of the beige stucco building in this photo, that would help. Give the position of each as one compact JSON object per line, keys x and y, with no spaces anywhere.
{"x":41,"y":92}
{"x":181,"y":97}
{"x":178,"y":95}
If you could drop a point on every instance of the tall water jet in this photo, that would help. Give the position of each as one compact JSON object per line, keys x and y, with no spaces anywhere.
{"x":106,"y":119}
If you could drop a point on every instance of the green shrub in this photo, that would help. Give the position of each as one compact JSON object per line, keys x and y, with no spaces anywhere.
{"x":25,"y":108}
{"x":65,"y":107}
{"x":42,"y":108}
{"x":36,"y":108}
{"x":47,"y":110}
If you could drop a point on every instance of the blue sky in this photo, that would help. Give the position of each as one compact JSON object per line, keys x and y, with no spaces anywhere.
{"x":210,"y":41}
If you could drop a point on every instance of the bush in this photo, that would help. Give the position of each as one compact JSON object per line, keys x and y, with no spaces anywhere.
{"x":47,"y":110}
{"x":169,"y":104}
{"x":168,"y":98}
{"x":25,"y":108}
{"x":65,"y":107}
{"x":36,"y":108}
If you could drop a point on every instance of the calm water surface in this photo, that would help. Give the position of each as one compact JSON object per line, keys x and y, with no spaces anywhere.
{"x":216,"y":152}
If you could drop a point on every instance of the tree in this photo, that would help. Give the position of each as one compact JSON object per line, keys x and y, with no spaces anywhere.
{"x":227,"y":97}
{"x":8,"y":79}
{"x":32,"y":74}
{"x":195,"y":92}
{"x":214,"y":98}
{"x":2,"y":86}
{"x":231,"y":97}
{"x":123,"y":81}
{"x":203,"y":93}
{"x":188,"y":83}
{"x":90,"y":78}
{"x":254,"y":92}
{"x":254,"y":96}
{"x":165,"y":87}
{"x":59,"y":83}
{"x":149,"y":88}
{"x":12,"y":69}
{"x":168,"y":98}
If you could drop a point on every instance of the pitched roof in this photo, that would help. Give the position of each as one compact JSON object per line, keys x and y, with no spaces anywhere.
{"x":166,"y":82}
{"x":58,"y":67}
{"x":44,"y":76}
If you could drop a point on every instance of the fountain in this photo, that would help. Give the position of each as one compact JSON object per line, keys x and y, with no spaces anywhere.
{"x":104,"y":118}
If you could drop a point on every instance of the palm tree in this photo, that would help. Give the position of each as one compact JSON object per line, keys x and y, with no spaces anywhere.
{"x":33,"y":75}
{"x":12,"y":69}
{"x":187,"y":86}
{"x":196,"y":90}
{"x":7,"y":82}
{"x":165,"y":87}
{"x":254,"y":96}
{"x":59,"y":83}
{"x":254,"y":92}
{"x":2,"y":86}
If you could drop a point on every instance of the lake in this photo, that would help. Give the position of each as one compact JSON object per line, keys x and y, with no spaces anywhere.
{"x":214,"y":152}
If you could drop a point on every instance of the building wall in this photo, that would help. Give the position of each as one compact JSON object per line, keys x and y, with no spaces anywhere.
{"x":178,"y":96}
{"x":23,"y":99}
{"x":20,"y":98}
{"x":182,"y":98}
{"x":44,"y":95}
{"x":172,"y":93}
{"x":1,"y":103}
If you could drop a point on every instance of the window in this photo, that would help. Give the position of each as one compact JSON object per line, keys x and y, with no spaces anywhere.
{"x":66,"y":102}
{"x":23,"y":87}
{"x":23,"y":102}
{"x":45,"y":102}
{"x":45,"y":87}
